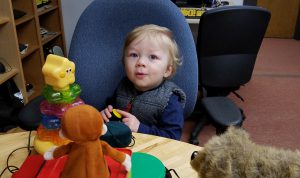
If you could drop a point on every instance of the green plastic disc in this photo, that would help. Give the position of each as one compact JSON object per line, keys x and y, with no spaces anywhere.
{"x":146,"y":166}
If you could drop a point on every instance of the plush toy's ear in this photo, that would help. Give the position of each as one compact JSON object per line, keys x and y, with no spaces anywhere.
{"x":237,"y":132}
{"x":104,"y":129}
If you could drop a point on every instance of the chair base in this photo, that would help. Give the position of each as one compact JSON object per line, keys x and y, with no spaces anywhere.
{"x":201,"y":124}
{"x":217,"y":111}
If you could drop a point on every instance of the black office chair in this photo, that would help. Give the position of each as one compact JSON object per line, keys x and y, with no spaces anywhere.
{"x":228,"y":41}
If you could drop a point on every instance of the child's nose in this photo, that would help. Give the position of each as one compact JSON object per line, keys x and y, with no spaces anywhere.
{"x":141,"y":61}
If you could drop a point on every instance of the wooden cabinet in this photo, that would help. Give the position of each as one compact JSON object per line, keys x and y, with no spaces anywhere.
{"x":284,"y":16}
{"x":50,"y":19}
{"x":27,"y":30}
{"x":9,"y":52}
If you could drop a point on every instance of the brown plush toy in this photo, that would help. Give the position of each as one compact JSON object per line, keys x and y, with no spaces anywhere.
{"x":84,"y":125}
{"x":234,"y":155}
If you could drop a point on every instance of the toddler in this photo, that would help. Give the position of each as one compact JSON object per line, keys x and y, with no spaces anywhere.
{"x":148,"y":102}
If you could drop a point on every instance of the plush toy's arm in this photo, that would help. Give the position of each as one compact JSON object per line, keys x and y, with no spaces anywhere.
{"x":62,"y":150}
{"x":118,"y":156}
{"x":55,"y":152}
{"x":48,"y":155}
{"x":127,"y":162}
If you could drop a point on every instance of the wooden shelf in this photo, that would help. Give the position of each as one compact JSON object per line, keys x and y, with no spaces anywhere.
{"x":7,"y":75}
{"x":42,"y":10}
{"x":4,"y":20}
{"x":48,"y":38}
{"x":36,"y":91}
{"x":24,"y":19}
{"x":30,"y":50}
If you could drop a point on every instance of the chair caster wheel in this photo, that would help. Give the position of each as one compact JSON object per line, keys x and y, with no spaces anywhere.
{"x":194,"y":141}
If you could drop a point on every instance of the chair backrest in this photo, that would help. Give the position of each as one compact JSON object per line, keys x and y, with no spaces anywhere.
{"x":96,"y":46}
{"x":228,"y":41}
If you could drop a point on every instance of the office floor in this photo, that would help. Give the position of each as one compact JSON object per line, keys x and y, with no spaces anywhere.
{"x":272,"y":97}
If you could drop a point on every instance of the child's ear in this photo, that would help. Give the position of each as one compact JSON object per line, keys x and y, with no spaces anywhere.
{"x":168,"y":71}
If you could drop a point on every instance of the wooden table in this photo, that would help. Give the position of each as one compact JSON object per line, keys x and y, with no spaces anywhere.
{"x":174,"y":154}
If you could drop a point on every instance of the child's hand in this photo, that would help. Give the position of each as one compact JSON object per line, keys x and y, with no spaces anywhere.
{"x":130,"y":120}
{"x":106,"y":113}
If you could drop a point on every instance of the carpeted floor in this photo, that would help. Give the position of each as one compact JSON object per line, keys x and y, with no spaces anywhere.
{"x":272,"y":97}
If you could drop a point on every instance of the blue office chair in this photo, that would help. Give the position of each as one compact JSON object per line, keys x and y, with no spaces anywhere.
{"x":228,"y":41}
{"x":96,"y":49}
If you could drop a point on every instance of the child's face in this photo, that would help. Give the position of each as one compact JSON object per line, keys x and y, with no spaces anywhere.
{"x":147,"y":63}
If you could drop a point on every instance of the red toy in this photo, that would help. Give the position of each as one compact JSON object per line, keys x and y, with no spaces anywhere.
{"x":36,"y":167}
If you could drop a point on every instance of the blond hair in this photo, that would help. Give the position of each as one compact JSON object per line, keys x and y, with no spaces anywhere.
{"x":161,"y":34}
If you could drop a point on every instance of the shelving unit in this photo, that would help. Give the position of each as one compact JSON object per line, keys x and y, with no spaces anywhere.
{"x":9,"y":52}
{"x":50,"y":18}
{"x":26,"y":30}
{"x":3,"y":20}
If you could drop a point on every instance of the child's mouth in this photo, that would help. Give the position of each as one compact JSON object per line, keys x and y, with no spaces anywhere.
{"x":140,"y":75}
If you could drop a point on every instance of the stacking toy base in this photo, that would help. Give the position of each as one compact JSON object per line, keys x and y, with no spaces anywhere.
{"x":42,"y":146}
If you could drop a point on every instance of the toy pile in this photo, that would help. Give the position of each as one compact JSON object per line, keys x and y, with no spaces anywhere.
{"x":68,"y":136}
{"x":70,"y":129}
{"x":60,"y":93}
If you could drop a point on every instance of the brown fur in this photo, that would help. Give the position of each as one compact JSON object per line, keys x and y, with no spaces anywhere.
{"x":234,"y":155}
{"x":83,"y":124}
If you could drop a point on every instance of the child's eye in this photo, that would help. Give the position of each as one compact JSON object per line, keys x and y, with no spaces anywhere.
{"x":153,"y":57}
{"x":133,"y":55}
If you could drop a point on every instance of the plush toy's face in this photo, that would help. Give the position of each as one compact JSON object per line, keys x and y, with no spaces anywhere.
{"x":82,"y":123}
{"x":215,"y":158}
{"x":58,"y":72}
{"x":197,"y":158}
{"x":207,"y":168}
